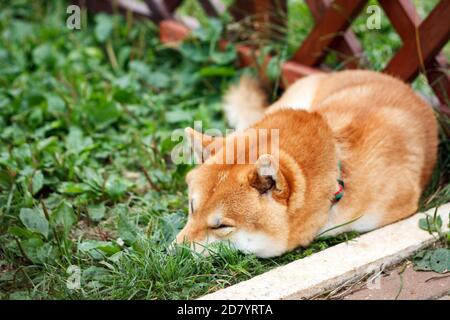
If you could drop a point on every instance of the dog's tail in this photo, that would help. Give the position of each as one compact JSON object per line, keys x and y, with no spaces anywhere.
{"x":245,"y":103}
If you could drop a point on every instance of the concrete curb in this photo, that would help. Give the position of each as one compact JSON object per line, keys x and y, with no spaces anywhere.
{"x":332,"y":267}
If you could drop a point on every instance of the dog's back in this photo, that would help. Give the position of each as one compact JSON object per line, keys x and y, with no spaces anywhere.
{"x":386,"y":138}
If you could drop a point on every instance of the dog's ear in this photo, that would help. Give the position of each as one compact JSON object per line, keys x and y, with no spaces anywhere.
{"x":203,"y":145}
{"x":268,"y":176}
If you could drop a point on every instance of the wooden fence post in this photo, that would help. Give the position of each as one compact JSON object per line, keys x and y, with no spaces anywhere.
{"x":407,"y":23}
{"x":335,"y":20}
{"x":268,"y":16}
{"x":346,"y":46}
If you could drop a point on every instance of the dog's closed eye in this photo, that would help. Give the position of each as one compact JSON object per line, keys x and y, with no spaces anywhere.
{"x":222,"y":230}
{"x":191,"y":206}
{"x":221,"y":226}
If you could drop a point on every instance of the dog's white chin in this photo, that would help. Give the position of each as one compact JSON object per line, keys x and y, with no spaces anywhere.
{"x":258,"y":243}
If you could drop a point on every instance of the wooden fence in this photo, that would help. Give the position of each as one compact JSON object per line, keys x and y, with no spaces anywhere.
{"x":422,"y":41}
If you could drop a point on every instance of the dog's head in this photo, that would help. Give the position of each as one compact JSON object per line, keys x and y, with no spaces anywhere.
{"x":243,"y":205}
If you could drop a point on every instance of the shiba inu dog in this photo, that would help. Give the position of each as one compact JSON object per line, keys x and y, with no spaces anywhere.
{"x":355,"y":151}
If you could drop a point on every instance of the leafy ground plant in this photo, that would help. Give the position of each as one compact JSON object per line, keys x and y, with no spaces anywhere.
{"x":89,"y":198}
{"x":437,"y":258}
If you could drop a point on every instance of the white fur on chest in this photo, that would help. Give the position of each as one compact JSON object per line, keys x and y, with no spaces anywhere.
{"x":369,"y":220}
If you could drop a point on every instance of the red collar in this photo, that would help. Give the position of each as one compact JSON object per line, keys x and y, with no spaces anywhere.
{"x":340,"y":193}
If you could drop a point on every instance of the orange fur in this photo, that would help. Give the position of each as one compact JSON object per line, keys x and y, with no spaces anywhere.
{"x":383,"y":134}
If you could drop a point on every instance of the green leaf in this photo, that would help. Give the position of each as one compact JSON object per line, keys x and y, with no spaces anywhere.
{"x":94,"y":273}
{"x":211,"y":32}
{"x":178,"y":116}
{"x":20,"y":295}
{"x":76,"y":142}
{"x":273,"y":68}
{"x":93,"y":178}
{"x":73,"y":188}
{"x":37,"y":182}
{"x":422,"y":261}
{"x":158,"y":79}
{"x":45,"y":143}
{"x":430,"y":223}
{"x":127,"y":230}
{"x":43,"y":55}
{"x":20,"y":232}
{"x":31,"y":247}
{"x":437,"y":260}
{"x":140,"y":68}
{"x":93,"y":52}
{"x":194,"y":52}
{"x":94,"y":247}
{"x":6,"y":276}
{"x":96,"y":212}
{"x":102,"y":112}
{"x":170,"y":225}
{"x":440,"y":260}
{"x":63,"y":216}
{"x":215,"y":71}
{"x":116,"y":186}
{"x":38,"y":251}
{"x":47,"y":253}
{"x":55,"y":103}
{"x":104,"y":27}
{"x":226,"y":56}
{"x":5,"y":180}
{"x":22,"y":30}
{"x":34,"y":220}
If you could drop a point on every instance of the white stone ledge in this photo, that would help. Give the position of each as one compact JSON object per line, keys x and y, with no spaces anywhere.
{"x":332,"y":267}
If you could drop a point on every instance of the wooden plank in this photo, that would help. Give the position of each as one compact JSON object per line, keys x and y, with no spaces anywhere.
{"x":421,"y":46}
{"x":172,"y":5}
{"x":439,"y":80}
{"x":271,"y":11}
{"x":347,"y":45}
{"x":212,"y":8}
{"x":241,"y":9}
{"x":405,"y":20}
{"x":336,"y":19}
{"x":138,"y":9}
{"x":158,"y":9}
{"x":402,"y":15}
{"x":269,"y":17}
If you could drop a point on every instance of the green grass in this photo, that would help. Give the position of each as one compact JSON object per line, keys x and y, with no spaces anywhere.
{"x":85,"y":173}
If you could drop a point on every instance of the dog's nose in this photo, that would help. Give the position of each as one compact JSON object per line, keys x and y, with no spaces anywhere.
{"x":175,"y":242}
